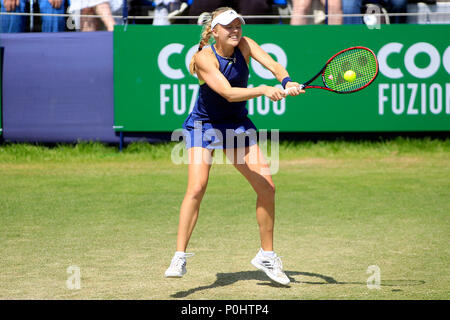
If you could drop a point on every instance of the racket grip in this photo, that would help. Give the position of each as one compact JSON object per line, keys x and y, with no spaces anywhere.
{"x":288,"y":89}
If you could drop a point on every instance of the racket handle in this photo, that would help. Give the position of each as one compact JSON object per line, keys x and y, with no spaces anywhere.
{"x":288,"y":89}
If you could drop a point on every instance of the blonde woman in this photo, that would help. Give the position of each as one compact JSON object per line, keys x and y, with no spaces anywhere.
{"x":222,"y":70}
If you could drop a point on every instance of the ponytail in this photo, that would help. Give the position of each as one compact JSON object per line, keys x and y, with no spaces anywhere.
{"x":204,"y":41}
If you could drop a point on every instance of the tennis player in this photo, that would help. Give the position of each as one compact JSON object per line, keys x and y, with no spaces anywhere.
{"x":222,"y":70}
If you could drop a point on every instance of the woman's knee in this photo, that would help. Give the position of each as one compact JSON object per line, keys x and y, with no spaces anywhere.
{"x":266,"y":190}
{"x":196,"y":191}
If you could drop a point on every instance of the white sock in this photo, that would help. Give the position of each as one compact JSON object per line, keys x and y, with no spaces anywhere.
{"x":180,"y":254}
{"x":268,"y":253}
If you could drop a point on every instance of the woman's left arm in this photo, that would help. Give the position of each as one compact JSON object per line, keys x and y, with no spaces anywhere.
{"x":251,"y":49}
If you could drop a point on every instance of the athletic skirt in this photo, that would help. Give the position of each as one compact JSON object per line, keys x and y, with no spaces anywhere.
{"x":219,"y":135}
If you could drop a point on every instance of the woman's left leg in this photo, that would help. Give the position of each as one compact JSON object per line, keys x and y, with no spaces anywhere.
{"x":253,"y":166}
{"x":251,"y":163}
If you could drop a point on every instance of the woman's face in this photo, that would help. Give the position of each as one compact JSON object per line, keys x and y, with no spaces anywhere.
{"x":230,"y":34}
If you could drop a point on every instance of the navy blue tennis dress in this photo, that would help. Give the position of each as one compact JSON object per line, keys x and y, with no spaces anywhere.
{"x":215,"y":123}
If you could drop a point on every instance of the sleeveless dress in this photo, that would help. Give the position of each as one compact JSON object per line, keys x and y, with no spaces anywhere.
{"x":215,"y":123}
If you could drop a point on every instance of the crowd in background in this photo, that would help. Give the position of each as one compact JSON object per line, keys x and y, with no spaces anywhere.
{"x":163,"y":12}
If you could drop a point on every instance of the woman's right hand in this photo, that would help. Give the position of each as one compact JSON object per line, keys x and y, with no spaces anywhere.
{"x":274,"y":93}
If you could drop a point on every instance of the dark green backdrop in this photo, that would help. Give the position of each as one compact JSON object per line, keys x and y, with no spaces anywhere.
{"x":154,"y":90}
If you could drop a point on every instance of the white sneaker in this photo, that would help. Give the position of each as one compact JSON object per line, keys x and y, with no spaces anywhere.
{"x":272,"y":266}
{"x":177,"y":266}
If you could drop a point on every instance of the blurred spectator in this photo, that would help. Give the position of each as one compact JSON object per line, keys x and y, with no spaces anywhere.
{"x":17,"y":23}
{"x":103,"y":8}
{"x":303,"y":7}
{"x":13,"y":23}
{"x":244,"y":7}
{"x":358,"y":7}
{"x":164,"y":9}
{"x":394,"y":6}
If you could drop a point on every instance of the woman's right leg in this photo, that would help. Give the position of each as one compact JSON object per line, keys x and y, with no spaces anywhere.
{"x":87,"y":23}
{"x":300,"y":8}
{"x":200,"y":160}
{"x":104,"y":10}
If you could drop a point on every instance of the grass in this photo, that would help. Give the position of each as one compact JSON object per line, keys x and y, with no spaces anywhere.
{"x":341,"y":207}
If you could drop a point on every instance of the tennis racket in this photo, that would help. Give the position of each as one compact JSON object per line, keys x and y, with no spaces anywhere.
{"x":348,"y":71}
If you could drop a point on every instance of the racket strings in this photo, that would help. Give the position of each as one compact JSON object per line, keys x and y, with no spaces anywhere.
{"x":361,"y":61}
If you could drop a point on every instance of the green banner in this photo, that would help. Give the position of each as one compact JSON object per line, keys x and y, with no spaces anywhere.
{"x":155,"y":92}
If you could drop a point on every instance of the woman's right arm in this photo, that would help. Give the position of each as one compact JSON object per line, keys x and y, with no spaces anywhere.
{"x":207,"y":69}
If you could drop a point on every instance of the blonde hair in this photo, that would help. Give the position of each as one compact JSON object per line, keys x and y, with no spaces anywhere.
{"x":206,"y":35}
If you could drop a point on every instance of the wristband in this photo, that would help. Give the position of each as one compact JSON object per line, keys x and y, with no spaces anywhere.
{"x":285,"y":81}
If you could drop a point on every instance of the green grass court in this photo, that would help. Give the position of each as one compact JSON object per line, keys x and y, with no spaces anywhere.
{"x":341,"y":207}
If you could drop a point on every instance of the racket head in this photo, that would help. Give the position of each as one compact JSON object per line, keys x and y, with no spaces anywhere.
{"x":361,"y":60}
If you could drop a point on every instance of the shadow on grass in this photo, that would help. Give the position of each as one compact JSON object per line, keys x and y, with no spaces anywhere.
{"x":226,"y":279}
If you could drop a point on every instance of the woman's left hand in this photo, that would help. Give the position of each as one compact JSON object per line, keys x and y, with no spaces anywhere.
{"x":295,"y":91}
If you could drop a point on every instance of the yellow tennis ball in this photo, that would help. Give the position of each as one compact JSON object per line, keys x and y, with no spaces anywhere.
{"x":350,"y":75}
